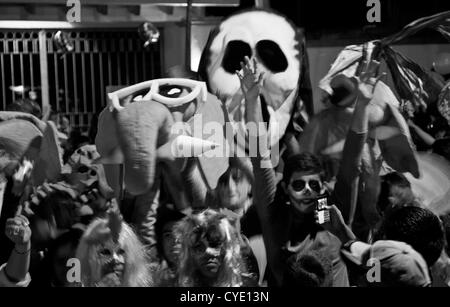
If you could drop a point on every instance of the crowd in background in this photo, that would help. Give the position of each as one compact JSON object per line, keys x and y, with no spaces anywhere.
{"x":256,"y":228}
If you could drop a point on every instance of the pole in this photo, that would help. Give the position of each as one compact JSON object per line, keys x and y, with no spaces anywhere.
{"x":188,"y":34}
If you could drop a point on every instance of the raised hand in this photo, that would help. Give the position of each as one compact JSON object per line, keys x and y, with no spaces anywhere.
{"x":251,"y":79}
{"x":18,"y":230}
{"x":368,"y":80}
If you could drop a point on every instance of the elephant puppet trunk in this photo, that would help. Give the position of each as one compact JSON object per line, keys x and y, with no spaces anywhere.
{"x":142,"y":127}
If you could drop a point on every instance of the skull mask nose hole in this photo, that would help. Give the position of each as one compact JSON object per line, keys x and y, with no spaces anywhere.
{"x":271,"y":56}
{"x":234,"y":55}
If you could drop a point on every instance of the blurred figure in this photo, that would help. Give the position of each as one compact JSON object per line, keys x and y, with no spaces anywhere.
{"x":25,"y":105}
{"x":54,"y":268}
{"x":416,"y":226}
{"x":395,"y":190}
{"x":168,"y":246}
{"x":309,"y":269}
{"x":233,"y":191}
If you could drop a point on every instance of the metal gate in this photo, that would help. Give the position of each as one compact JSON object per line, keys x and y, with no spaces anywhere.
{"x":76,"y":81}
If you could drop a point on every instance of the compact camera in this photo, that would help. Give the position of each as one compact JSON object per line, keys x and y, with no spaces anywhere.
{"x":322,"y":214}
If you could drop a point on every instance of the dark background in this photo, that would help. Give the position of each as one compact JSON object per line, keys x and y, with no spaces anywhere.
{"x":346,"y":19}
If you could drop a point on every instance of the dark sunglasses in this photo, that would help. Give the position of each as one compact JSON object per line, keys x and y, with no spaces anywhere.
{"x":300,"y":185}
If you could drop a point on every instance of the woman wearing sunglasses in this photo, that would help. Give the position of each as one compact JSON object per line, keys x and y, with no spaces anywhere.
{"x":289,"y":216}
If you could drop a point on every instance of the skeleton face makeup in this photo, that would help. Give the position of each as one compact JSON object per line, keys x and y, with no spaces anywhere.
{"x":304,"y":189}
{"x":83,"y":172}
{"x":276,"y":44}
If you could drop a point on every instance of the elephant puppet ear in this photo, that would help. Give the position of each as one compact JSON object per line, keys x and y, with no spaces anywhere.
{"x":106,"y":140}
{"x":48,"y":165}
{"x":394,"y":137}
{"x":215,"y":163}
{"x":111,"y":155}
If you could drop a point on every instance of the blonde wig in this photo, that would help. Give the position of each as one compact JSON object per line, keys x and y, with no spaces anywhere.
{"x":113,"y":230}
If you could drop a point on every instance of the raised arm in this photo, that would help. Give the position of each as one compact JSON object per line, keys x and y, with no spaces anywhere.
{"x":15,"y":273}
{"x":346,"y":188}
{"x":264,"y":185}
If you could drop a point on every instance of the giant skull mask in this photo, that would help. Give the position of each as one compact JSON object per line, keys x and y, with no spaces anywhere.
{"x":277,"y":45}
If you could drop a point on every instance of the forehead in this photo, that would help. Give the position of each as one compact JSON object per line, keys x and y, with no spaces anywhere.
{"x":304,"y":176}
{"x":112,"y":245}
{"x":234,"y":173}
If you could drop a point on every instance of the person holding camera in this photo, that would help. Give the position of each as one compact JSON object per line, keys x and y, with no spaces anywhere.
{"x":293,"y":217}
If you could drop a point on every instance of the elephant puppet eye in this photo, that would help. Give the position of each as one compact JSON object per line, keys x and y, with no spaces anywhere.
{"x":234,"y":55}
{"x":271,"y":56}
{"x":171,"y":91}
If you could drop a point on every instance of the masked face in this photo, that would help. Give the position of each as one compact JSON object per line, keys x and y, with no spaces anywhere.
{"x":275,"y":43}
{"x":111,"y":257}
{"x":84,"y":155}
{"x":303,"y":190}
{"x":208,"y":249}
{"x":83,"y":172}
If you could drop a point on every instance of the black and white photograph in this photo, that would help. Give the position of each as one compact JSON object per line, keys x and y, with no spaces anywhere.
{"x":210,"y":144}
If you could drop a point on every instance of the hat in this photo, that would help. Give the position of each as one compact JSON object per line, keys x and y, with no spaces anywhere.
{"x":400,"y":264}
{"x":345,"y":90}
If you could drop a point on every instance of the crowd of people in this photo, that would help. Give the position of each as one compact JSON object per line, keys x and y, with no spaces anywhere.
{"x":258,"y":227}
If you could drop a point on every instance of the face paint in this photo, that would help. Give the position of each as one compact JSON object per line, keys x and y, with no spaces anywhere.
{"x":303,"y":190}
{"x":83,"y":172}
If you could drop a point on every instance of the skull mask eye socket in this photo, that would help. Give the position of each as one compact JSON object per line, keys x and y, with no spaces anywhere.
{"x":271,"y":56}
{"x":234,"y":55}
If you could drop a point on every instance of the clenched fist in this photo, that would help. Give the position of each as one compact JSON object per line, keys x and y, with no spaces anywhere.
{"x":18,"y":230}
